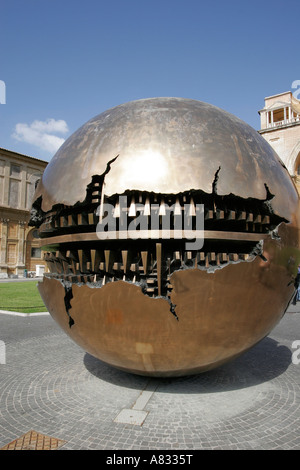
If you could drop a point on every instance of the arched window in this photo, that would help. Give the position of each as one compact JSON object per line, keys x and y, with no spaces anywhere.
{"x":34,"y":254}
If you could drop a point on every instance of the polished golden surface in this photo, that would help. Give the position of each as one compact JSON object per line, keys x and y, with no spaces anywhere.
{"x":149,"y":306}
{"x":166,"y":145}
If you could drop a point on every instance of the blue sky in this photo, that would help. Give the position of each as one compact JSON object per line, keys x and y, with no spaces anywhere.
{"x":65,"y":61}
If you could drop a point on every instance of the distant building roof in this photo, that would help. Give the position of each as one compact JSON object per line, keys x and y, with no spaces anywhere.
{"x":23,"y":155}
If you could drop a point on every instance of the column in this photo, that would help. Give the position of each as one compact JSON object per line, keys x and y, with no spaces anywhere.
{"x":23,"y":188}
{"x":3,"y":248}
{"x":21,"y":248}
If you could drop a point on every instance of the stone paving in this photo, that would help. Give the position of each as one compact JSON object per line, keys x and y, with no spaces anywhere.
{"x":50,"y":386}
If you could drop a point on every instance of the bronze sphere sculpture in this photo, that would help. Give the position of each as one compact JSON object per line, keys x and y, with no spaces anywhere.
{"x":128,"y":285}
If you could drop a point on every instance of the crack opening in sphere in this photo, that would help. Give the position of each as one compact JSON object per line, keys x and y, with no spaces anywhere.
{"x":235,"y":230}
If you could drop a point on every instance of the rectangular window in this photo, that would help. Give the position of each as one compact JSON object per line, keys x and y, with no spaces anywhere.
{"x":15,"y":171}
{"x":11,"y":254}
{"x":36,"y":252}
{"x":14,"y":187}
{"x":29,"y":194}
{"x":12,"y":230}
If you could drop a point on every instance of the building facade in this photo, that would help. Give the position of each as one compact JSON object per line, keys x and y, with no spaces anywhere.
{"x":280,"y":126}
{"x":19,"y":251}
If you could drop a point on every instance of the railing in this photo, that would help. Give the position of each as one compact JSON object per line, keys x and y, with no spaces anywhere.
{"x":284,"y":122}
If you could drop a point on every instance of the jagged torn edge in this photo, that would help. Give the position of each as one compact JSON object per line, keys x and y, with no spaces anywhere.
{"x":257,"y":251}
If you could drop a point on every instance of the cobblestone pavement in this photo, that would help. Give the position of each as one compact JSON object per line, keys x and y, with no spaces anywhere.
{"x":49,"y":385}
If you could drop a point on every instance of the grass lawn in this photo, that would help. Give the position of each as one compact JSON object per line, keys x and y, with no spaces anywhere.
{"x":21,"y":297}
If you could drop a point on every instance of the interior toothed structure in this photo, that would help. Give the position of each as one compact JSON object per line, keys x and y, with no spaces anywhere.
{"x":234,"y":230}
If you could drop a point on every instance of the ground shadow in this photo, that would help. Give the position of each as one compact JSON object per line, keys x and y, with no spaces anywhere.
{"x":265,"y":361}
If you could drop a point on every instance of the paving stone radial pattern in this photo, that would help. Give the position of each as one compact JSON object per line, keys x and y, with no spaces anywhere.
{"x":49,"y":386}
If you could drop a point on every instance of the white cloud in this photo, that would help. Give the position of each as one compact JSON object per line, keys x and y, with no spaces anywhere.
{"x":42,"y":134}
